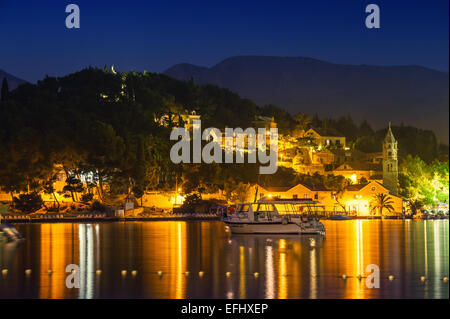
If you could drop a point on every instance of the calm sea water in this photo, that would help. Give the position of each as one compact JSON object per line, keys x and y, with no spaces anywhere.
{"x":287,"y":266}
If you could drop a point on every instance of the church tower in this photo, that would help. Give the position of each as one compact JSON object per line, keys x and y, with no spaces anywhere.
{"x":390,"y":162}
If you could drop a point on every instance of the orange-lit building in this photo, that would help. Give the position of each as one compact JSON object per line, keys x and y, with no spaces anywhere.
{"x":356,"y":198}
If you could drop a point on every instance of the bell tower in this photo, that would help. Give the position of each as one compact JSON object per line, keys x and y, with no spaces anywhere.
{"x":390,"y":162}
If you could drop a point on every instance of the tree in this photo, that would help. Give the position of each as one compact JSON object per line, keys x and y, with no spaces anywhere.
{"x":365,"y":129}
{"x":380,"y":202}
{"x":414,"y":205}
{"x":5,"y":90}
{"x":28,"y":203}
{"x":73,"y":185}
{"x":427,"y":184}
{"x":363,"y":180}
{"x":86,"y":198}
{"x":236,"y":192}
{"x":49,"y":189}
{"x":138,"y":193}
{"x":191,"y":201}
{"x":337,"y":185}
{"x":302,"y":122}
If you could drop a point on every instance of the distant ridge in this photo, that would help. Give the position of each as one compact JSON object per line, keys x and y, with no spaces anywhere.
{"x":413,"y":95}
{"x":13,"y":82}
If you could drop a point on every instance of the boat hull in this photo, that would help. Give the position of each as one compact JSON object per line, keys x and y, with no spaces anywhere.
{"x":269,"y":228}
{"x":340,"y":217}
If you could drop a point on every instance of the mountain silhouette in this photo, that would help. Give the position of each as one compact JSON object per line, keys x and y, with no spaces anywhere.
{"x":412,"y":95}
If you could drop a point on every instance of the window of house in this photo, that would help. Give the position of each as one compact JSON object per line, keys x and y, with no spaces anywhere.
{"x":316,"y":196}
{"x":295,"y":196}
{"x":305,"y":196}
{"x":373,"y":188}
{"x":338,"y":142}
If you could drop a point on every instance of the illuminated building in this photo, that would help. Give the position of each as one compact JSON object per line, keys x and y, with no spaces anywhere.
{"x":356,"y":198}
{"x":326,"y":137}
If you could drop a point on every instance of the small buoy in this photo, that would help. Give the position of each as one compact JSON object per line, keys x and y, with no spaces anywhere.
{"x":228,"y":274}
{"x":445,"y":279}
{"x":186,"y":273}
{"x":344,"y":277}
{"x":359,"y":277}
{"x":160,"y":273}
{"x":391,"y":277}
{"x":256,"y":274}
{"x":50,"y":271}
{"x":4,"y":272}
{"x":98,"y":272}
{"x":422,"y":278}
{"x":201,"y":273}
{"x":28,"y":271}
{"x":124,"y":272}
{"x":134,"y":272}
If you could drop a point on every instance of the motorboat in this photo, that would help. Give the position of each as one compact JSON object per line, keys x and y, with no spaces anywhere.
{"x":275,"y":216}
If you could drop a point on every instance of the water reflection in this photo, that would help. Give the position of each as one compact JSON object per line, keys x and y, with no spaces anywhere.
{"x":287,"y":266}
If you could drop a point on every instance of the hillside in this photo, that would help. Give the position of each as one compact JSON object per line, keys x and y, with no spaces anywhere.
{"x":412,"y":95}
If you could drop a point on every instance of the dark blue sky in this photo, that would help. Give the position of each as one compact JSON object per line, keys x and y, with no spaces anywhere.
{"x":154,"y":35}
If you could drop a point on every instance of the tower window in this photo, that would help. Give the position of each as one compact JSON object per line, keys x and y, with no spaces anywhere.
{"x":389,"y":153}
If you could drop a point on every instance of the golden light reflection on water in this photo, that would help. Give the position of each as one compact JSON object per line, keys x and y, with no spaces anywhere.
{"x":270,"y":273}
{"x":53,"y":256}
{"x":282,"y":273}
{"x":242,"y":272}
{"x":287,"y":266}
{"x":313,"y":269}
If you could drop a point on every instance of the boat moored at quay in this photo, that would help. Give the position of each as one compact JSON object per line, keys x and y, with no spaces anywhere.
{"x":275,"y":216}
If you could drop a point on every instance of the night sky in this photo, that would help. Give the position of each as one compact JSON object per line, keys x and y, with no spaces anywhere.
{"x":154,"y":35}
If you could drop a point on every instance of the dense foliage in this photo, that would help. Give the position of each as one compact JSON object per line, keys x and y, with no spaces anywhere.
{"x":422,"y":183}
{"x":106,"y":125}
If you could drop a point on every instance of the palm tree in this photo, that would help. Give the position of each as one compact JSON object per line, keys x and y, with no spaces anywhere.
{"x":382,"y":201}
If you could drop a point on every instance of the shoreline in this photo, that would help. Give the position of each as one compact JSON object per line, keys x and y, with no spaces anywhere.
{"x":108,"y":219}
{"x":153,"y":219}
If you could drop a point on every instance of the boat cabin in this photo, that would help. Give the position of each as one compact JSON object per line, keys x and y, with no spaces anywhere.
{"x":268,"y":208}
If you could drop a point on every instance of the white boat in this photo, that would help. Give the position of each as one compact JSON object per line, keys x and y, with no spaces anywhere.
{"x":275,"y":216}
